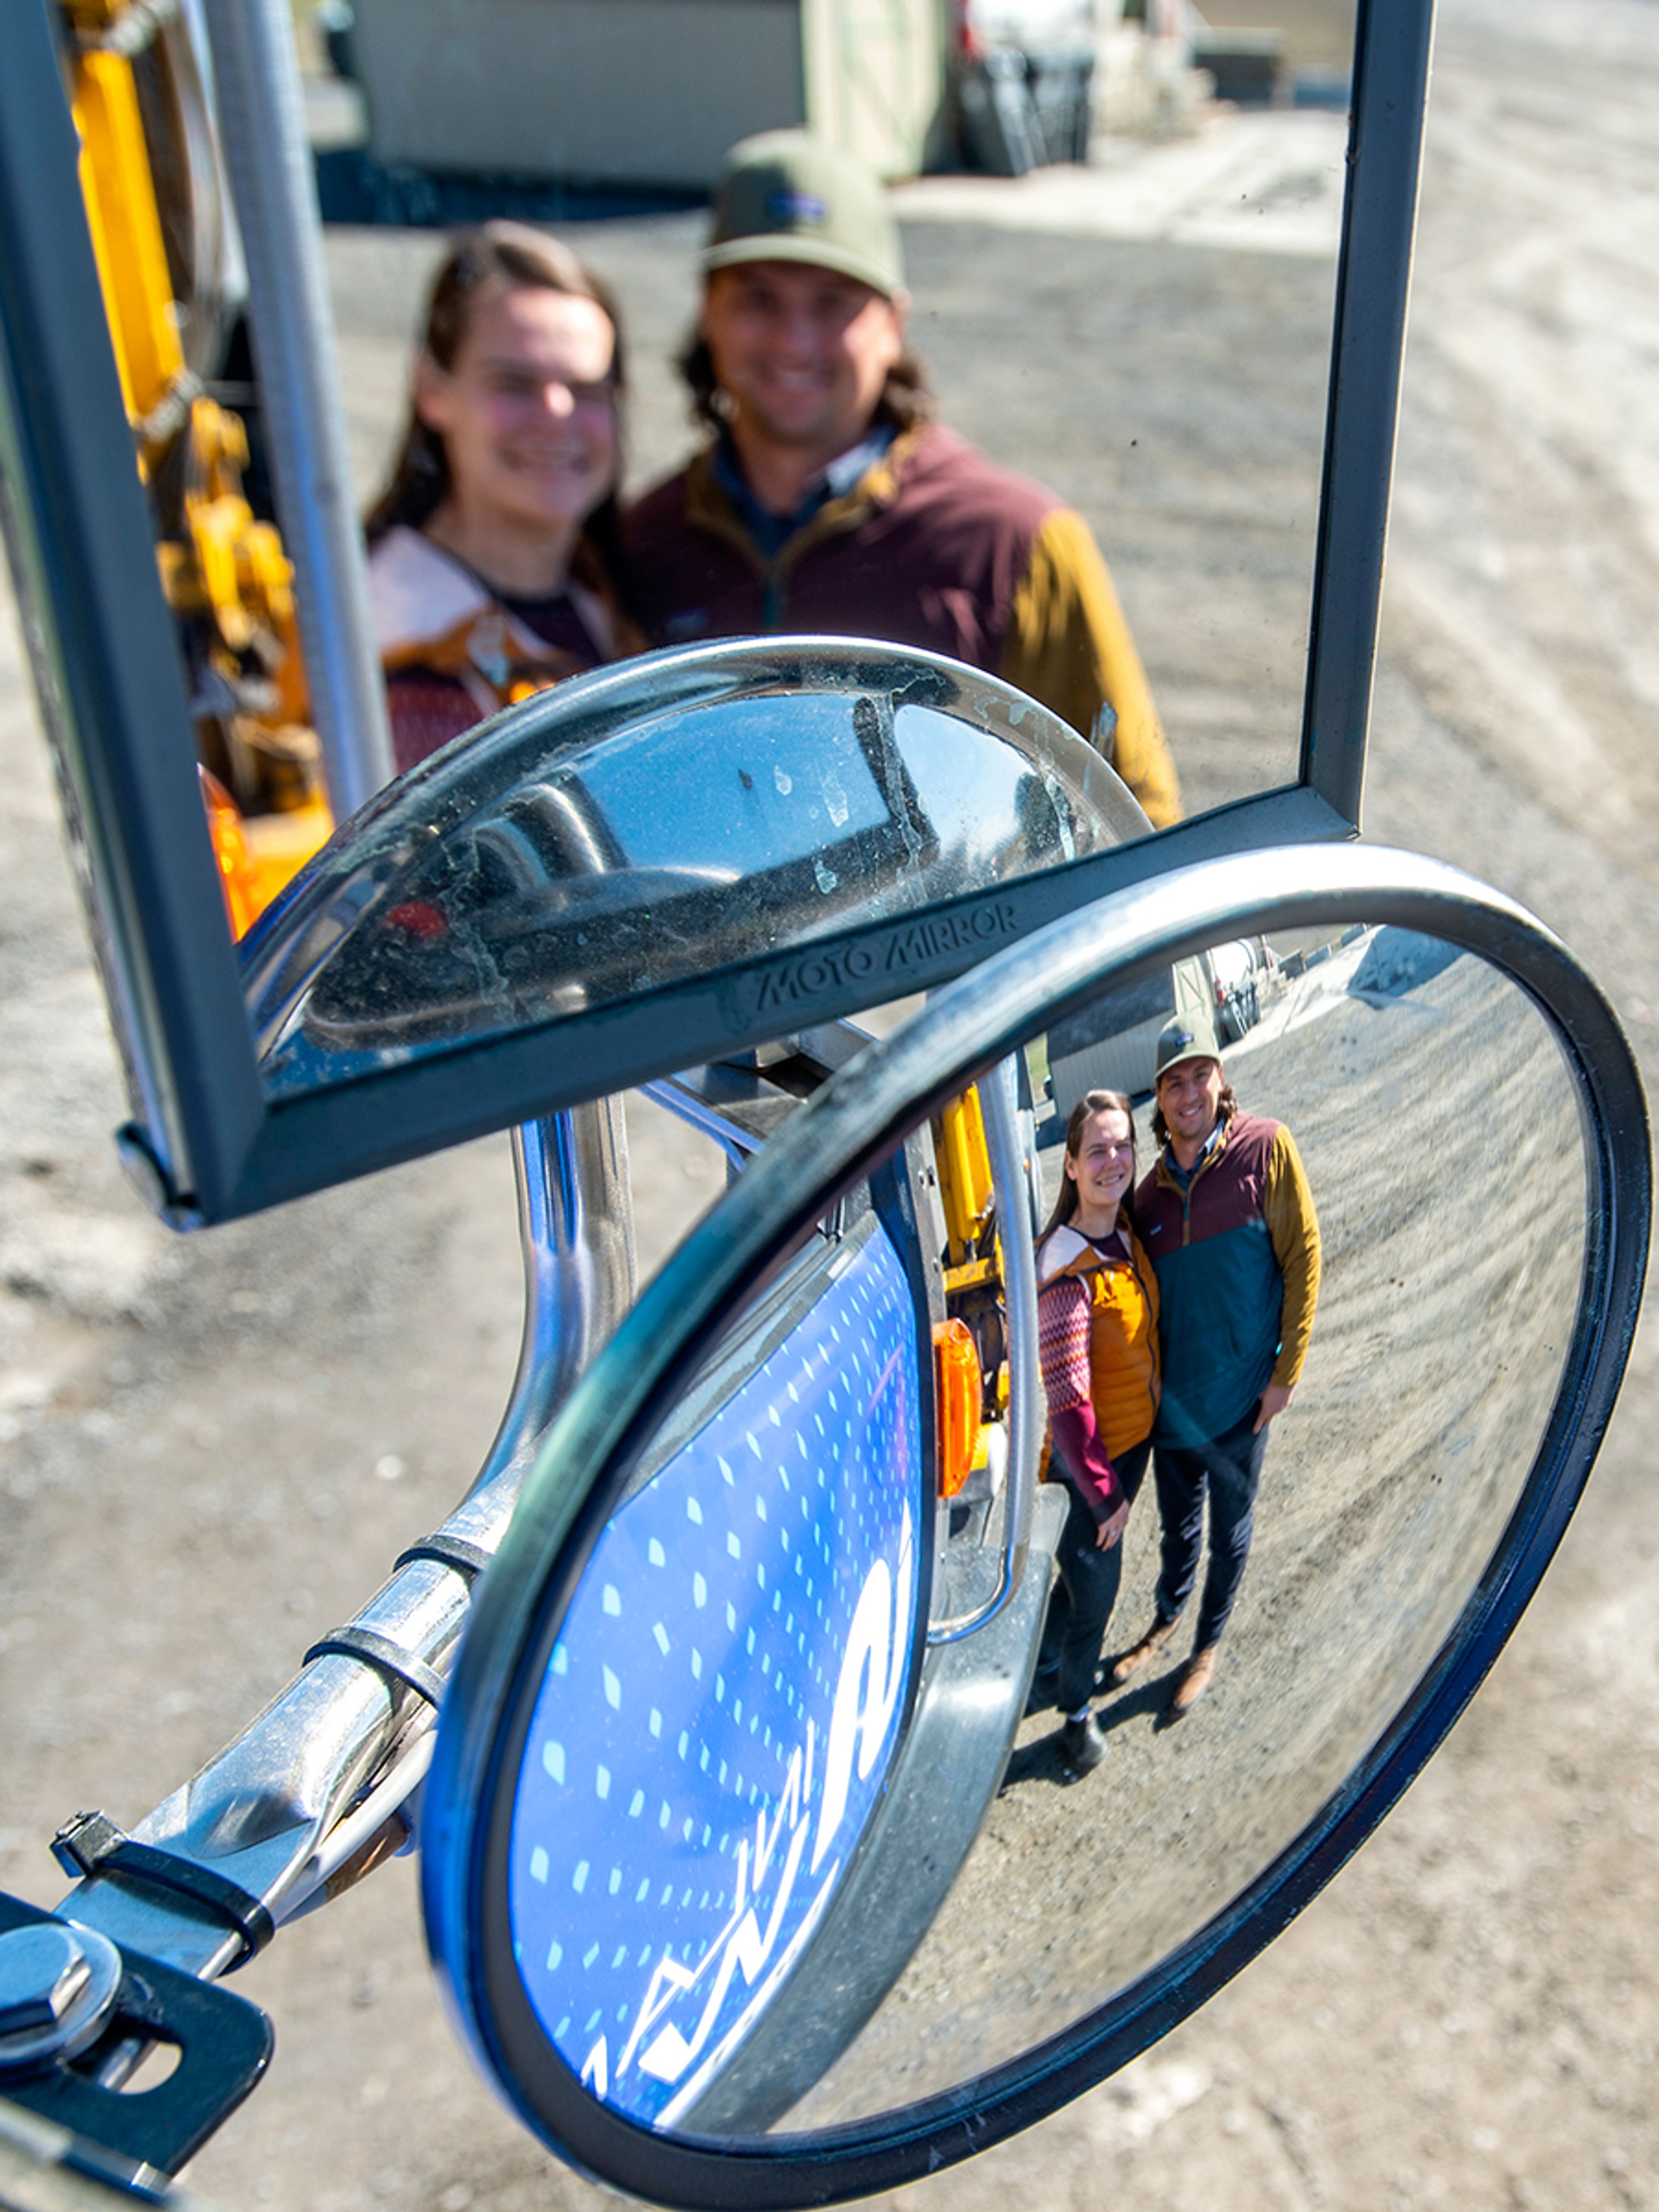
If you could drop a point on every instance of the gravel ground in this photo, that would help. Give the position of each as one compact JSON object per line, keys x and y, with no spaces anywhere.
{"x":213,"y":1449}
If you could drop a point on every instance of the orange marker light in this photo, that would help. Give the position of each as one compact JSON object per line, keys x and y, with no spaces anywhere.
{"x":236,"y":871}
{"x":958,"y":1395}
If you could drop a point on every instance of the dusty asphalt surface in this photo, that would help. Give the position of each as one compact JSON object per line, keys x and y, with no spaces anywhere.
{"x":213,"y":1449}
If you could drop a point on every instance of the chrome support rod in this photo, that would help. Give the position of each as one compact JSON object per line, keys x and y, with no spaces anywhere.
{"x":257,"y":78}
{"x":342,"y":1740}
{"x":1011,"y":1180}
{"x":576,"y":1228}
{"x":738,"y":1143}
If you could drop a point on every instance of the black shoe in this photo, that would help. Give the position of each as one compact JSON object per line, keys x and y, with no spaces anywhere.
{"x":1083,"y":1745}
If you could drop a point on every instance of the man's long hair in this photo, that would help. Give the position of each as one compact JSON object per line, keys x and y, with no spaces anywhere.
{"x":1228,"y":1107}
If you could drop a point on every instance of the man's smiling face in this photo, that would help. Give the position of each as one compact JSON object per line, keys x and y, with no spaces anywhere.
{"x":1190,"y":1097}
{"x":802,"y":352}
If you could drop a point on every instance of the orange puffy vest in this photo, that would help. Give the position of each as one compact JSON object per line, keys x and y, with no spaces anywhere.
{"x":1123,"y":1355}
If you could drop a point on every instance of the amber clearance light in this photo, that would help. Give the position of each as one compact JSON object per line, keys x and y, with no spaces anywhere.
{"x":958,"y":1394}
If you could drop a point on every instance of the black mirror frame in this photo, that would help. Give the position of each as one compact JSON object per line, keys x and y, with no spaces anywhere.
{"x":206,"y":1143}
{"x":859,"y":1114}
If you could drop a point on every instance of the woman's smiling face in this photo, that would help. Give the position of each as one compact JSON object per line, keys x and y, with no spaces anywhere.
{"x":1104,"y":1166}
{"x":527,"y":409}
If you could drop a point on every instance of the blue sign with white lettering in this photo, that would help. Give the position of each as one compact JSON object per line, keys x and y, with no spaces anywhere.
{"x":722,"y":1705}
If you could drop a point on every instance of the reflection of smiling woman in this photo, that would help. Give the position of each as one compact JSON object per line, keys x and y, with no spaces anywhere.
{"x":491,"y":547}
{"x":1097,"y":1326}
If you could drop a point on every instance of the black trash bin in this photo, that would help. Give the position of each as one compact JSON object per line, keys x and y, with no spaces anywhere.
{"x":1021,"y":111}
{"x":1001,"y":133}
{"x":1060,"y":85}
{"x":1247,"y":66}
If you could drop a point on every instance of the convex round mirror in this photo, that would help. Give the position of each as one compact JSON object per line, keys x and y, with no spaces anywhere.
{"x":751,"y":1876}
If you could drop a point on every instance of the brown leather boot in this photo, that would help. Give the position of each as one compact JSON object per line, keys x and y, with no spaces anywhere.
{"x":1148,"y":1648}
{"x":1195,"y":1678}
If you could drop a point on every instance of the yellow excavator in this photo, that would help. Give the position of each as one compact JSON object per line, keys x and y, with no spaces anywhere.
{"x":157,"y":211}
{"x":971,"y":1346}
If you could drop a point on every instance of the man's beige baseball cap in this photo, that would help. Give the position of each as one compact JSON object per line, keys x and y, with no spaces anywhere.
{"x":787,"y":196}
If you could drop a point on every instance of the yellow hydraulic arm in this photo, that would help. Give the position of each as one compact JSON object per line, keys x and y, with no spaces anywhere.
{"x":224,"y":571}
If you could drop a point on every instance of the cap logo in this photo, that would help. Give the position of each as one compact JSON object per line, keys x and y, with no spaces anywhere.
{"x":796,"y":207}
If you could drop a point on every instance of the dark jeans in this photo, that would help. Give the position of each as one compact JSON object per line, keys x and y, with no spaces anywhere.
{"x":1080,"y":1609}
{"x":1226,"y":1471}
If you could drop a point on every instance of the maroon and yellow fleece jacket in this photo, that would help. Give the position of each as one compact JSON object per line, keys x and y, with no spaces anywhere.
{"x":934,"y":546}
{"x":1237,"y":1259}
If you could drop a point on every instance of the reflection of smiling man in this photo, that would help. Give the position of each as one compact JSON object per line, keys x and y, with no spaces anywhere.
{"x":830,"y":502}
{"x":1229,"y":1220}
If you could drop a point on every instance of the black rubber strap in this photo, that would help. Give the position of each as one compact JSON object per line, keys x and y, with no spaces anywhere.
{"x":378,"y":1650}
{"x":91,"y":1844}
{"x":468,"y":1559}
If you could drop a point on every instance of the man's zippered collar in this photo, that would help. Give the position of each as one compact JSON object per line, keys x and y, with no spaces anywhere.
{"x":1214,"y":1144}
{"x":709,"y":505}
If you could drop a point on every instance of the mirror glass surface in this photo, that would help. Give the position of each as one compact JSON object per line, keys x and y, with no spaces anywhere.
{"x":652,"y":822}
{"x":675,"y":1932}
{"x":1145,"y":331}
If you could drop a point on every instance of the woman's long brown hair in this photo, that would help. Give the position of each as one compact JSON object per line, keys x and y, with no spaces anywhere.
{"x":515,"y":254}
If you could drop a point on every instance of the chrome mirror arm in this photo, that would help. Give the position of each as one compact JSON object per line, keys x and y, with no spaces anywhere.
{"x":308,"y":1797}
{"x":674,"y":1095}
{"x":576,"y":1229}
